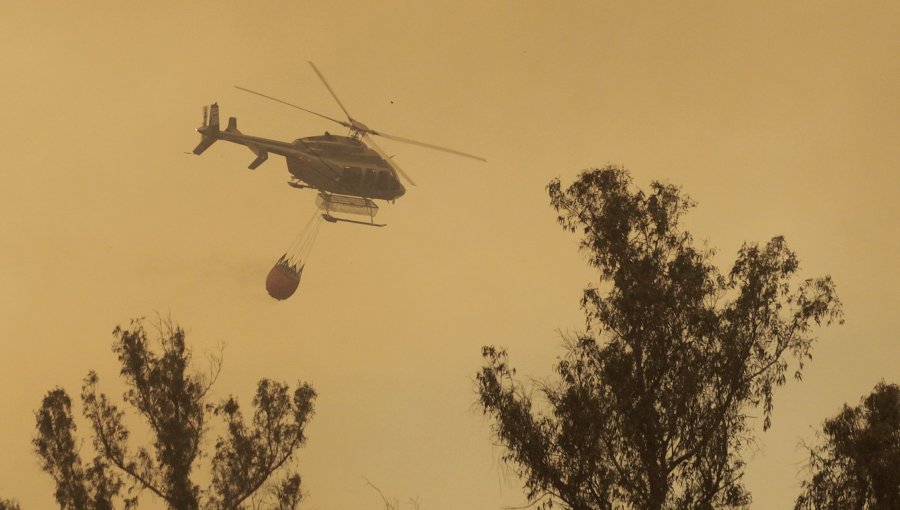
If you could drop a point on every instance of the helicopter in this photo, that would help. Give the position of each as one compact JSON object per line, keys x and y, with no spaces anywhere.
{"x":347,"y":171}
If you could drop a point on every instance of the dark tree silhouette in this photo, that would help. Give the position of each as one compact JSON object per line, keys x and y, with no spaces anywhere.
{"x":77,"y":485}
{"x":8,"y":504}
{"x":857,"y":466}
{"x":393,"y":504}
{"x":649,"y":411}
{"x":173,"y":402}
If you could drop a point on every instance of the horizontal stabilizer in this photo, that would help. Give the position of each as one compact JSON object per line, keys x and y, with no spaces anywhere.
{"x":204,"y":144}
{"x":261,"y":157}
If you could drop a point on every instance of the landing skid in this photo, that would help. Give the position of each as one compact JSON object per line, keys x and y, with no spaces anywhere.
{"x":332,"y":219}
{"x":298,"y":185}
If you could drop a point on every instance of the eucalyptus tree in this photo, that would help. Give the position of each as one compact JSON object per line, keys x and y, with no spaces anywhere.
{"x":9,"y":504}
{"x":857,"y":464}
{"x":252,"y":461}
{"x":650,"y":407}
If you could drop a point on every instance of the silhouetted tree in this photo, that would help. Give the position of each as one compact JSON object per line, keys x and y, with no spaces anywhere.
{"x":393,"y":504}
{"x":857,"y":466}
{"x":650,"y":408}
{"x":8,"y":504}
{"x":173,"y":402}
{"x":77,"y":485}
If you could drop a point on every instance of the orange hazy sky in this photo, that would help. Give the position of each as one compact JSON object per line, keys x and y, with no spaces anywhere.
{"x":777,"y":117}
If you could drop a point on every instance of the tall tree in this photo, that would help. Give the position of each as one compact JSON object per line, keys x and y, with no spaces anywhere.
{"x":650,"y":408}
{"x":857,"y":464}
{"x":173,"y":401}
{"x":77,"y":485}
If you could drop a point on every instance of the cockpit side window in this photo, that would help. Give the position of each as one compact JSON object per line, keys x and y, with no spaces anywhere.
{"x":368,"y":178}
{"x":352,"y":176}
{"x":384,"y":180}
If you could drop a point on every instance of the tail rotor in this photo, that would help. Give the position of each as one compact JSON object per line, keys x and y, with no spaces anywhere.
{"x":209,"y":131}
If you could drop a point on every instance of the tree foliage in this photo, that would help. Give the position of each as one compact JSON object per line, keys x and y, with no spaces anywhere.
{"x":649,"y":411}
{"x":8,"y":504}
{"x":77,"y":485}
{"x":173,"y":402}
{"x":857,"y":465}
{"x":247,"y":455}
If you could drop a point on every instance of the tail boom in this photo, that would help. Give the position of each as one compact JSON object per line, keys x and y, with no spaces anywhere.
{"x":261,"y":147}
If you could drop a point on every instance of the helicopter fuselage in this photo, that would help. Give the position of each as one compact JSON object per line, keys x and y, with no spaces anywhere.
{"x":336,"y":164}
{"x":346,"y":166}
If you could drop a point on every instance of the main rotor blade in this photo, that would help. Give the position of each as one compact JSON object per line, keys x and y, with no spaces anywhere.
{"x":423,"y":144}
{"x":387,"y":158}
{"x":358,"y":127}
{"x":327,"y":86}
{"x":341,"y":122}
